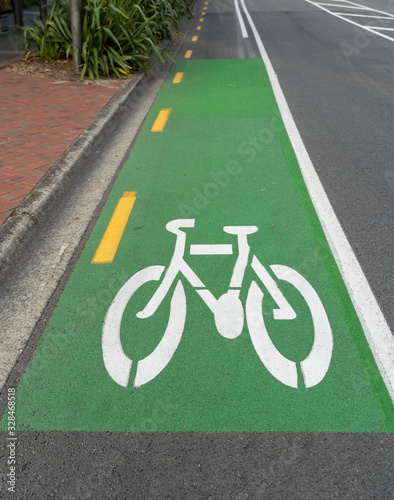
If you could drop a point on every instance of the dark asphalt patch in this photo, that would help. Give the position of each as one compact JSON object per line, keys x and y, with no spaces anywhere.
{"x":219,"y":466}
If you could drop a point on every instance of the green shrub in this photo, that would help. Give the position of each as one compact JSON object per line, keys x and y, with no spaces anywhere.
{"x":118,"y":36}
{"x":53,"y":36}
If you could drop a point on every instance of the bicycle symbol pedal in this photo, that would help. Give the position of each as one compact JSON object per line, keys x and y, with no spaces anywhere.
{"x":228,"y":311}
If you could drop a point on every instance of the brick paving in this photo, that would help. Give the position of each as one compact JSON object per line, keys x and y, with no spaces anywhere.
{"x":39,"y":120}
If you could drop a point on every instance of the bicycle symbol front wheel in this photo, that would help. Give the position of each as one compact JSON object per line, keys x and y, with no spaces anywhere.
{"x":117,"y":363}
{"x":315,"y":366}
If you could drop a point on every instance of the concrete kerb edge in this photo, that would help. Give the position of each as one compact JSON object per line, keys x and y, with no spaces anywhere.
{"x":16,"y":230}
{"x":19,"y":226}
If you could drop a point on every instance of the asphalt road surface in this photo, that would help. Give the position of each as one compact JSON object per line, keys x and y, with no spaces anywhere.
{"x":299,"y":411}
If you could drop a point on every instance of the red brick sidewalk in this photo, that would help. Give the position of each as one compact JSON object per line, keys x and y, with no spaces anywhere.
{"x":39,"y":120}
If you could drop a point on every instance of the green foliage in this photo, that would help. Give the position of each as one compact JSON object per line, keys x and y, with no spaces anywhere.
{"x":53,"y":36}
{"x":119,"y":36}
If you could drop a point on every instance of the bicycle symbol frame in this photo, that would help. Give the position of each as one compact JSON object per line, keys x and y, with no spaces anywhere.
{"x":228,"y":312}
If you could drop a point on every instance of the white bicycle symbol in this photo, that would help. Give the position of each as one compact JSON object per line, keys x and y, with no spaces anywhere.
{"x":228,"y":312}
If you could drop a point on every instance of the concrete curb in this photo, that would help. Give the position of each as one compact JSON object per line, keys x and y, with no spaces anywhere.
{"x":16,"y":230}
{"x":20,"y":225}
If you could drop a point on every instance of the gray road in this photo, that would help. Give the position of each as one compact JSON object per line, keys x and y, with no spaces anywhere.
{"x":339,"y":87}
{"x":343,"y":106}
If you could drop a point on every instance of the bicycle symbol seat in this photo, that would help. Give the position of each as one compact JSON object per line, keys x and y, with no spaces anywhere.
{"x":228,"y":312}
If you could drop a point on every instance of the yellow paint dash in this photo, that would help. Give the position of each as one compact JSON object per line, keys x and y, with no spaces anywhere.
{"x":161,"y":120}
{"x":205,"y":8}
{"x":203,"y":13}
{"x":195,"y":38}
{"x":178,"y":78}
{"x":201,"y":20}
{"x":198,"y":27}
{"x":109,"y":243}
{"x":188,"y":54}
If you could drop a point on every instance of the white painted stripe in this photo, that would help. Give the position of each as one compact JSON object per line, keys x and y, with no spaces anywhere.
{"x":375,"y":327}
{"x":343,"y":17}
{"x":379,"y":28}
{"x":359,"y":5}
{"x":342,"y":6}
{"x":240,"y":20}
{"x":211,"y":249}
{"x":388,"y":16}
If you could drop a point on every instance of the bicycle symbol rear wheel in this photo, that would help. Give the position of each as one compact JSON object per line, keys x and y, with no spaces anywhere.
{"x":117,"y":363}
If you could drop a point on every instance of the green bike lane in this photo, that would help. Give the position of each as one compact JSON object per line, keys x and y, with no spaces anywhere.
{"x":222,"y":158}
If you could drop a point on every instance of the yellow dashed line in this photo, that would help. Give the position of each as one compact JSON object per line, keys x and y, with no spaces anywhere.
{"x":188,"y":54}
{"x":109,"y":243}
{"x":178,"y":78}
{"x":205,"y":8}
{"x":201,"y":19}
{"x":195,"y":38}
{"x":161,"y":120}
{"x":203,"y":13}
{"x":198,"y":27}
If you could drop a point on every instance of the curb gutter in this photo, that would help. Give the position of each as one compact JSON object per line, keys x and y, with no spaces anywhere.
{"x":17,"y":228}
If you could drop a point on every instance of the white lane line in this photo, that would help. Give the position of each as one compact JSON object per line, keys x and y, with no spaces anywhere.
{"x":376,"y":329}
{"x":380,"y":28}
{"x":359,"y":5}
{"x":388,"y":16}
{"x":240,"y":20}
{"x":344,"y":18}
{"x":342,"y":6}
{"x":341,"y":16}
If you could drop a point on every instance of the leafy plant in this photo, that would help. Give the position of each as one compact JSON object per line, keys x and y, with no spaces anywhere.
{"x":53,"y":36}
{"x":118,"y":36}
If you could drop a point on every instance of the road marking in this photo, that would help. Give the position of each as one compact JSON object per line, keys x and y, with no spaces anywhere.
{"x":240,"y":20}
{"x":218,"y":249}
{"x":342,"y":6}
{"x":109,"y":243}
{"x":201,"y":19}
{"x":344,"y":15}
{"x":374,"y":324}
{"x":227,"y":310}
{"x":198,"y":28}
{"x":161,"y":119}
{"x":203,"y":13}
{"x":188,"y":54}
{"x":262,"y":330}
{"x":178,"y":78}
{"x":364,"y":15}
{"x":205,"y":8}
{"x":195,"y":38}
